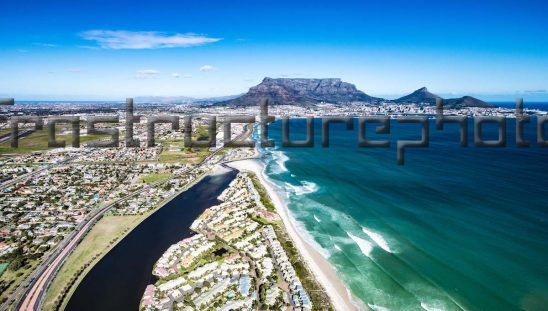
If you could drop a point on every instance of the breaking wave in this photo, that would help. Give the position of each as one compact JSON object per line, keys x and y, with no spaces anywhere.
{"x":377,"y":308}
{"x":279,"y":158}
{"x":430,"y":308}
{"x":365,"y":246}
{"x":305,"y":188}
{"x":378,"y":239}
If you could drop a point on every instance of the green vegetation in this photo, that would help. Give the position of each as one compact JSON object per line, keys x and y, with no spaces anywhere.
{"x":265,"y":199}
{"x":261,"y":220}
{"x":319,"y":298}
{"x":3,"y":267}
{"x":102,"y":237}
{"x":201,"y":133}
{"x":38,"y":141}
{"x":10,"y":278}
{"x":152,"y":178}
{"x":174,"y":152}
{"x":5,"y":131}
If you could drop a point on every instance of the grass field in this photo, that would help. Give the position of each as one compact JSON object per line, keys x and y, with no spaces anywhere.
{"x":14,"y":278}
{"x":181,"y":154}
{"x":152,"y":178}
{"x":96,"y":243}
{"x":201,"y":133}
{"x":38,"y":141}
{"x":5,"y":131}
{"x":3,"y":266}
{"x":262,"y":193}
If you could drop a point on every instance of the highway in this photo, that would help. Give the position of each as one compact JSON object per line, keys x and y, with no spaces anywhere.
{"x":26,"y":176}
{"x":21,"y":134}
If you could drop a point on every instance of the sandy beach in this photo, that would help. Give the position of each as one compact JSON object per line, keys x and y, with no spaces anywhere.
{"x":320,"y":267}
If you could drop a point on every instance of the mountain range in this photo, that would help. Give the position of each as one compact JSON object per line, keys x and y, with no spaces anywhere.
{"x":183,"y":100}
{"x":309,"y":92}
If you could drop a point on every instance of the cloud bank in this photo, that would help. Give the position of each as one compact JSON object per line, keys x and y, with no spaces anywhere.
{"x":206,"y":68}
{"x":122,"y":39}
{"x":146,"y":73}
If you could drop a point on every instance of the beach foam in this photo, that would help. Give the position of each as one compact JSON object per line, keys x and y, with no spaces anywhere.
{"x":317,"y":219}
{"x":309,"y":249}
{"x":378,"y":239}
{"x":279,"y":158}
{"x":307,"y":236}
{"x":305,"y":188}
{"x":430,"y":308}
{"x":365,"y":246}
{"x":377,"y":308}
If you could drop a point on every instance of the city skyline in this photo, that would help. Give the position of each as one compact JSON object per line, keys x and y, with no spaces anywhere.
{"x":57,"y":51}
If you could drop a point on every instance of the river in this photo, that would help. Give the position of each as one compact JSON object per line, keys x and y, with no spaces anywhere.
{"x":118,"y":280}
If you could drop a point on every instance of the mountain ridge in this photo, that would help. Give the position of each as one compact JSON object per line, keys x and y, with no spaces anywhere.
{"x":310,"y":92}
{"x":301,"y":91}
{"x":421,"y":95}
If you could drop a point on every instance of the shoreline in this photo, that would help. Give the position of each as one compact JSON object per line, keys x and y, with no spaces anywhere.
{"x":322,"y":270}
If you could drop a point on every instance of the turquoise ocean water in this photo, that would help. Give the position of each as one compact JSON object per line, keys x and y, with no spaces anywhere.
{"x":453,"y":229}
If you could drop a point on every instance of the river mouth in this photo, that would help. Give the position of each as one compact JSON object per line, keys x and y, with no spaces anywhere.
{"x":118,"y":280}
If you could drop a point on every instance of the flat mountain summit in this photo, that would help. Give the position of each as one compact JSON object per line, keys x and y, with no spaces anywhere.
{"x":302,"y":92}
{"x":309,"y":92}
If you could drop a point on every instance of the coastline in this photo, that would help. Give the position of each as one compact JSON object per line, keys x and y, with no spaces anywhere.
{"x":322,"y":270}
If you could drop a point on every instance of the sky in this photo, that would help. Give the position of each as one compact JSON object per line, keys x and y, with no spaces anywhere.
{"x":101,"y":50}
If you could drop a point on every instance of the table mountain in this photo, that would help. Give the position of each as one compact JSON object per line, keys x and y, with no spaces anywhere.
{"x":302,"y":92}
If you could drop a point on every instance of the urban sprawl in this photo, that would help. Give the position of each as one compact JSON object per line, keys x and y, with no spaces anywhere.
{"x":239,"y":258}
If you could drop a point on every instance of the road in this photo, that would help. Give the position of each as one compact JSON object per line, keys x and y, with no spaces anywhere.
{"x":26,"y":176}
{"x":38,"y":282}
{"x":21,"y":134}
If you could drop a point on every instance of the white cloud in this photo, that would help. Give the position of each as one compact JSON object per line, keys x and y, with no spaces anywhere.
{"x":178,"y":75}
{"x":147,"y":73}
{"x":48,"y":45}
{"x":535,"y":91}
{"x":89,"y":47}
{"x":122,"y":39}
{"x":206,"y":68}
{"x":290,"y":75}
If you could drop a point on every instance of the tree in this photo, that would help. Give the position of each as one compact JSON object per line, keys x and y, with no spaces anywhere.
{"x":16,"y":264}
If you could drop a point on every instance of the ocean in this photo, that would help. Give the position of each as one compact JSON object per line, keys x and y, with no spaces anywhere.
{"x":452,"y":229}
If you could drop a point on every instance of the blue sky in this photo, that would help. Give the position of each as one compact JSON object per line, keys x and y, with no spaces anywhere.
{"x":99,"y":50}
